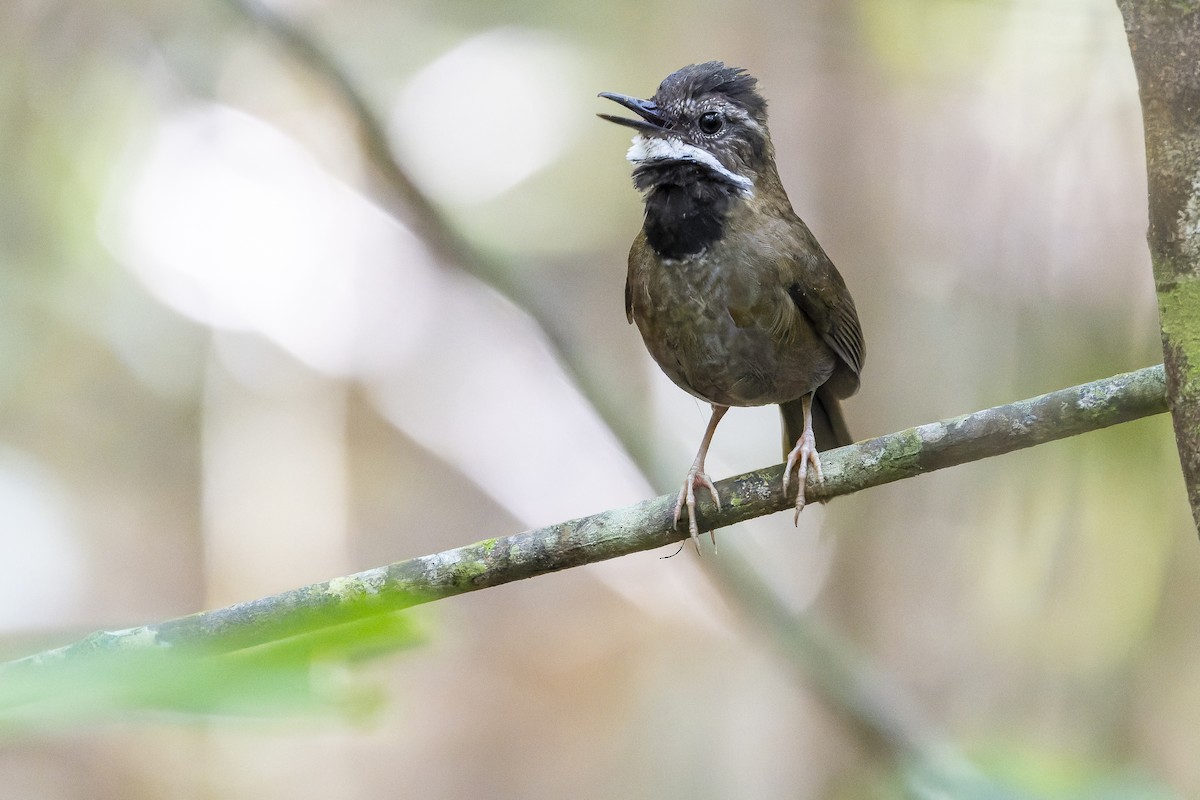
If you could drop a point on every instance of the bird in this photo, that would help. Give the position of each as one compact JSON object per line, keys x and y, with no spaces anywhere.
{"x":735,"y":299}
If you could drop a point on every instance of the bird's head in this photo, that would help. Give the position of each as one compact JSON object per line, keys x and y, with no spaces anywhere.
{"x":705,"y":114}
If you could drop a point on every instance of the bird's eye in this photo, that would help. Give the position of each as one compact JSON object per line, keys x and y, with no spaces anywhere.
{"x":710,"y":122}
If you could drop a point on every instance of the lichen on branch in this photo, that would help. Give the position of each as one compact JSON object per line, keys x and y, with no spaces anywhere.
{"x":622,"y":531}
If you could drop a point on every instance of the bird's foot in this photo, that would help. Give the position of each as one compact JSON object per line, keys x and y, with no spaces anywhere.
{"x":687,"y":498}
{"x":802,"y":455}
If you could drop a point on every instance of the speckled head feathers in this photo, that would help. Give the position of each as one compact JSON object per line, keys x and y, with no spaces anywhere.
{"x":695,"y":81}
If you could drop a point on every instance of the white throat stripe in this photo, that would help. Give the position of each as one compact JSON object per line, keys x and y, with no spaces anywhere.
{"x":646,"y":149}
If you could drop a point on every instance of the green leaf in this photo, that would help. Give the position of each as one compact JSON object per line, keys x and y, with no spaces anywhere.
{"x":301,"y":675}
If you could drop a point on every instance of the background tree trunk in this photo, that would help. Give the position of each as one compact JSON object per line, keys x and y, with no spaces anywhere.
{"x":1164,"y":39}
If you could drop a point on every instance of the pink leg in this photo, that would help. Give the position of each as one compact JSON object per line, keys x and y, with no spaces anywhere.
{"x":696,"y":475}
{"x":803,"y":454}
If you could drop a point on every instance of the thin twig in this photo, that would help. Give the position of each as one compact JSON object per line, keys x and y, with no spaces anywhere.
{"x":427,"y":220}
{"x":871,"y":699}
{"x":642,"y":526}
{"x":400,"y":195}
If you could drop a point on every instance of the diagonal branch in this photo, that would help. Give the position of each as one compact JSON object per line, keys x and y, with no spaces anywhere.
{"x":642,"y":526}
{"x":871,"y":698}
{"x":395,"y":190}
{"x":407,"y":199}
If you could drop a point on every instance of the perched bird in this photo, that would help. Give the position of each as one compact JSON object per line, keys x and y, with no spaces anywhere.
{"x":734,"y":298}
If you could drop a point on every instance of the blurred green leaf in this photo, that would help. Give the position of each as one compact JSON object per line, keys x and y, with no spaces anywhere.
{"x":301,"y":675}
{"x":1011,"y":773}
{"x":1059,"y":777}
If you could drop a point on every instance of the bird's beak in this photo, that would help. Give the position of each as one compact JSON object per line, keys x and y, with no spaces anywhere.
{"x":651,"y":121}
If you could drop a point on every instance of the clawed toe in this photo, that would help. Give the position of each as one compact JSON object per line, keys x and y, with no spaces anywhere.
{"x":687,"y":499}
{"x":800,"y":458}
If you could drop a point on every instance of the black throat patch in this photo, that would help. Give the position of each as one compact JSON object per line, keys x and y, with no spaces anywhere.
{"x":686,"y":206}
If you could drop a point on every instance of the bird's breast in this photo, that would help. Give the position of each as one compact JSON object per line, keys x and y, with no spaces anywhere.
{"x":712,"y":323}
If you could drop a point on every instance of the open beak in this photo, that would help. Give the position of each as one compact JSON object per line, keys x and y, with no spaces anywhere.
{"x":651,"y":121}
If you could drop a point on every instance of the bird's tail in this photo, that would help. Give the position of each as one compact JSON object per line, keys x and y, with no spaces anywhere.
{"x":829,"y":424}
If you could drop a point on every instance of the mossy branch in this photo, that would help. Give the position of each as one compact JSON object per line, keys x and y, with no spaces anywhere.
{"x":642,"y":526}
{"x":1164,"y":39}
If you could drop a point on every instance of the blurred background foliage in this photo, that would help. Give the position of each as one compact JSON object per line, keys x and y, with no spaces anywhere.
{"x":226,"y":370}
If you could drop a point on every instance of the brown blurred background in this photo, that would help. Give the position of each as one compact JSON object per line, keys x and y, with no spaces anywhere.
{"x":226,"y":370}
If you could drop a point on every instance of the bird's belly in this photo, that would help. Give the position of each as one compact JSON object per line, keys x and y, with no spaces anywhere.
{"x":695,"y":340}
